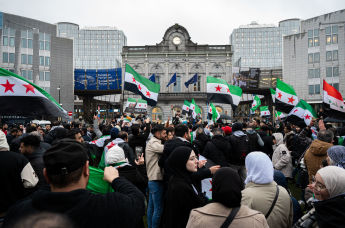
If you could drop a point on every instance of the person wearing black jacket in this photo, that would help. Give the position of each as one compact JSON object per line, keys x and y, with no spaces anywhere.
{"x":67,"y":171}
{"x":200,"y":141}
{"x":182,"y":196}
{"x":137,"y":141}
{"x":218,"y":149}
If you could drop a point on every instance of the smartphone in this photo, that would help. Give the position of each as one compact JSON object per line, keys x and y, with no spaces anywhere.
{"x":139,"y":151}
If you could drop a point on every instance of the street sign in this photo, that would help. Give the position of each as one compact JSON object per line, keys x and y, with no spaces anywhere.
{"x":70,"y":113}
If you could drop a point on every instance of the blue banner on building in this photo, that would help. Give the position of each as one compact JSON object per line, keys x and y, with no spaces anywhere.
{"x":79,"y":79}
{"x":102,"y":79}
{"x":112,"y":79}
{"x":91,"y":79}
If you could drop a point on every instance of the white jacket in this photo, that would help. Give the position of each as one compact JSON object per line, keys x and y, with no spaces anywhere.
{"x":281,"y":157}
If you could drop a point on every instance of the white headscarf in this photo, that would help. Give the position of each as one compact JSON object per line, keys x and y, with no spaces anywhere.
{"x":334,"y":178}
{"x":3,"y":142}
{"x":259,"y":168}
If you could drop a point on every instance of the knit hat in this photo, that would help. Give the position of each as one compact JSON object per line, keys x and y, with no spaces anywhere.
{"x":237,"y":127}
{"x":114,"y":132}
{"x":3,"y":142}
{"x":115,"y":155}
{"x":65,"y":157}
{"x":227,"y":130}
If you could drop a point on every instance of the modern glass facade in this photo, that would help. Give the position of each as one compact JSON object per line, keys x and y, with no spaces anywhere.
{"x":94,"y":47}
{"x":258,"y":45}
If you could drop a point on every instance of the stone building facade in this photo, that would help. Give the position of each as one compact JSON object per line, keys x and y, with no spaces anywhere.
{"x":177,"y":53}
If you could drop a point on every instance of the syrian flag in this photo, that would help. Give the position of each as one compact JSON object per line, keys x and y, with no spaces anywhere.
{"x":302,"y":112}
{"x":213,"y":114}
{"x":20,"y":97}
{"x":185,"y":107}
{"x":273,"y":94}
{"x":256,"y":103}
{"x":236,"y":94}
{"x":281,"y":115}
{"x":131,"y":103}
{"x":192,"y":108}
{"x":264,"y":111}
{"x":286,"y":98}
{"x":141,"y":104}
{"x":138,"y":84}
{"x":206,"y":184}
{"x":218,"y":91}
{"x":333,"y":102}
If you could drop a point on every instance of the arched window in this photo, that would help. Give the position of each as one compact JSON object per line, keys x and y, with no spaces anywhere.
{"x":157,"y":114}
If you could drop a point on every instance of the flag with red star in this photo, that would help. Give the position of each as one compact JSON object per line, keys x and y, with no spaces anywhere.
{"x":138,"y":84}
{"x":256,"y":103}
{"x":186,"y":107}
{"x":213,"y":113}
{"x":218,"y":91}
{"x":21,"y":97}
{"x":135,"y":105}
{"x":302,"y":114}
{"x":333,"y":103}
{"x":285,"y":97}
{"x":264,"y":111}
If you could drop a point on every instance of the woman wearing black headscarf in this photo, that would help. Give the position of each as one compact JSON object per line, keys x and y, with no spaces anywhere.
{"x":226,"y":196}
{"x":182,"y":196}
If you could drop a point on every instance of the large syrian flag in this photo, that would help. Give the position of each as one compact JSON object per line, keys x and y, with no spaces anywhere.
{"x":286,"y":98}
{"x":138,"y":84}
{"x":218,"y":91}
{"x":186,"y":107}
{"x":333,"y":102}
{"x":20,"y":97}
{"x":264,"y":111}
{"x":256,"y":103}
{"x":303,"y":112}
{"x":236,"y":94}
{"x":213,"y":114}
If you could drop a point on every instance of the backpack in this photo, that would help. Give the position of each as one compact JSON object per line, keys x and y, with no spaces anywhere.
{"x":240,"y":148}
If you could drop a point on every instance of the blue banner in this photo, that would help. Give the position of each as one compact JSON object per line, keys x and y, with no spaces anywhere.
{"x":112,"y":79}
{"x":79,"y":79}
{"x":91,"y":78}
{"x":102,"y":78}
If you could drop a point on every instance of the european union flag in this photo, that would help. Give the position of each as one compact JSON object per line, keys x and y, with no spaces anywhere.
{"x":193,"y":80}
{"x":152,"y":78}
{"x":172,"y":80}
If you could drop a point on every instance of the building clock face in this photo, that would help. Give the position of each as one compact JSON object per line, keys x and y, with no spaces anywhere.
{"x":177,"y":40}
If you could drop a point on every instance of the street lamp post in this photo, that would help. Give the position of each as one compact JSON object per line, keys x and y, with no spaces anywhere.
{"x":59,"y":89}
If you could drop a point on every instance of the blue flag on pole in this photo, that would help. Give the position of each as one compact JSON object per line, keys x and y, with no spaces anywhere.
{"x":152,"y":78}
{"x":172,"y":80}
{"x":193,"y":80}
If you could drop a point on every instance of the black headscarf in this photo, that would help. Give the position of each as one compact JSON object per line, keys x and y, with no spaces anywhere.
{"x":177,"y":162}
{"x":226,"y":187}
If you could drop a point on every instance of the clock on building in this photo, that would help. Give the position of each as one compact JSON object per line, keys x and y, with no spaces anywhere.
{"x":177,"y":40}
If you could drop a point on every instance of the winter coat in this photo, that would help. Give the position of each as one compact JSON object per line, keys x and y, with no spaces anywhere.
{"x":122,"y":208}
{"x":281,"y":157}
{"x":200,"y":142}
{"x":218,"y":150}
{"x":330,"y":212}
{"x":260,"y":197}
{"x":181,"y":198}
{"x":314,"y":156}
{"x":214,"y":215}
{"x":268,"y":143}
{"x":139,"y":140}
{"x":153,"y":151}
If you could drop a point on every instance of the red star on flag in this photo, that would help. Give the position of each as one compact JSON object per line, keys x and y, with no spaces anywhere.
{"x":8,"y":86}
{"x":211,"y":185}
{"x":110,"y":145}
{"x":133,"y":79}
{"x":291,"y":100}
{"x":253,"y":105}
{"x":29,"y":88}
{"x":139,"y":87}
{"x":218,"y":88}
{"x":280,"y":95}
{"x":140,"y":105}
{"x":148,"y":93}
{"x":228,"y":90}
{"x":187,"y":108}
{"x":307,"y":117}
{"x":295,"y":110}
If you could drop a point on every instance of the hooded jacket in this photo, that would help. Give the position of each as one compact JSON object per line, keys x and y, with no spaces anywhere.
{"x":218,"y":150}
{"x":314,"y":156}
{"x":281,"y":157}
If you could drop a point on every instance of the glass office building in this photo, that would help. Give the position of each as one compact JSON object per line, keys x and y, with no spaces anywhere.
{"x":94,"y":47}
{"x":258,"y":45}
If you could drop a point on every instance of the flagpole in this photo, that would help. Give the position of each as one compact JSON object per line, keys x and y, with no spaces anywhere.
{"x":123,"y":93}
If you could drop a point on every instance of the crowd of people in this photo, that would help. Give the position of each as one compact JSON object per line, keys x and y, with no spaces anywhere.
{"x":131,"y":172}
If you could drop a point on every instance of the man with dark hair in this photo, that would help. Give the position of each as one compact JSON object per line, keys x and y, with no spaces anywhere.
{"x":12,"y":135}
{"x":67,"y":172}
{"x":317,"y":152}
{"x":30,"y":148}
{"x":75,"y":133}
{"x":218,"y":149}
{"x":137,"y":141}
{"x":154,"y":150}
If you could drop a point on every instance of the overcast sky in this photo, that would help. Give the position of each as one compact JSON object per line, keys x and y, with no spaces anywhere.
{"x":145,"y":21}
